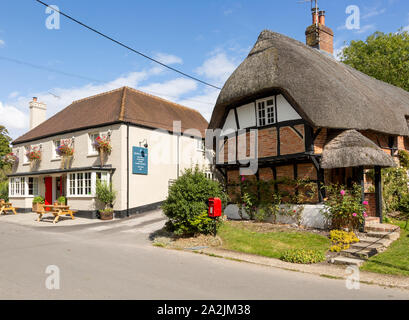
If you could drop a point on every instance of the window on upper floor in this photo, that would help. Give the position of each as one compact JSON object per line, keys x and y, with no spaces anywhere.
{"x":91,"y":143}
{"x":26,"y":150}
{"x":266,"y":111}
{"x":56,"y":144}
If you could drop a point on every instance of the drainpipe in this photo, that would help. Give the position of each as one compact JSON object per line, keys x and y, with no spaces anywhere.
{"x":127,"y":169}
{"x":178,"y":151}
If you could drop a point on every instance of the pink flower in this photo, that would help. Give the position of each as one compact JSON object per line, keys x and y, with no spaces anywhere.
{"x":365,"y":214}
{"x":354,"y":214}
{"x":243,"y":179}
{"x":365,"y":203}
{"x":342,"y":192}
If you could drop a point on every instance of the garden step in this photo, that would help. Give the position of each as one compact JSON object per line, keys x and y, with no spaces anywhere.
{"x":371,"y":219}
{"x":383,"y":235}
{"x":381,"y":227}
{"x":374,"y":240}
{"x":369,"y":245}
{"x":359,"y":253}
{"x":347,"y":261}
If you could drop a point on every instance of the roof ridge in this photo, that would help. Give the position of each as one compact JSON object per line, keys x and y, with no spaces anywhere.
{"x":121,"y":114}
{"x":97,"y":95}
{"x":162,"y":99}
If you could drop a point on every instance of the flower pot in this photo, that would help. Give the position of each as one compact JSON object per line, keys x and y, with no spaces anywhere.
{"x":106,"y":215}
{"x":37,"y":207}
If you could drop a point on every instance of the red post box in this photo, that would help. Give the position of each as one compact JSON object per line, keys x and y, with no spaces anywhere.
{"x":215,"y":207}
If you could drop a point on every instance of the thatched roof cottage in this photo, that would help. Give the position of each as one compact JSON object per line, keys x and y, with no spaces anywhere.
{"x":316,"y":117}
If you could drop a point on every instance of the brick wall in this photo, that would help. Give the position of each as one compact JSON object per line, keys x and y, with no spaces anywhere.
{"x":371,"y":208}
{"x":320,"y":140}
{"x":290,"y":141}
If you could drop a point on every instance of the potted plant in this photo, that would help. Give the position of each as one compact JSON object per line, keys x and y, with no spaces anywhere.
{"x":106,"y":195}
{"x":66,"y":152}
{"x":37,"y":203}
{"x":10,"y":159}
{"x":103,"y":145}
{"x":62,"y":201}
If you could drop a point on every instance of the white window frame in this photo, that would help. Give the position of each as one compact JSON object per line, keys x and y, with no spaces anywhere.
{"x":262,"y":115}
{"x":55,"y":146}
{"x":200,"y":145}
{"x":35,"y":186}
{"x":18,"y":187}
{"x":91,"y":139}
{"x":26,"y":149}
{"x":78,"y":188}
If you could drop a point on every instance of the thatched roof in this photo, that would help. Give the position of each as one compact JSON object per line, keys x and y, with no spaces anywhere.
{"x":352,"y":149}
{"x":327,"y":93}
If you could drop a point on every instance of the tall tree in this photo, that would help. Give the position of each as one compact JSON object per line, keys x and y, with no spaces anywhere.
{"x":382,"y":56}
{"x":4,"y":143}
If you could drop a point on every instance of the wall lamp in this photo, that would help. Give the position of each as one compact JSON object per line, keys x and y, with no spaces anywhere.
{"x":146,"y":143}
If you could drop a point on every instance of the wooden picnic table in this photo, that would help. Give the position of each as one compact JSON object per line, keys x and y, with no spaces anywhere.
{"x":57,"y":211}
{"x":7,"y":206}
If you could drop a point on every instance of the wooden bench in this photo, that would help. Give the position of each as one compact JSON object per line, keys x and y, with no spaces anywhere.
{"x":6,"y":207}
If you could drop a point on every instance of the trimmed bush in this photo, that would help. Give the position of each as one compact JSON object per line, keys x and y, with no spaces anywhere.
{"x":303,"y":256}
{"x":186,"y":205}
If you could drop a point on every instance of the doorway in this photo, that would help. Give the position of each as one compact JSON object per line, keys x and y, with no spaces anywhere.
{"x":48,"y":182}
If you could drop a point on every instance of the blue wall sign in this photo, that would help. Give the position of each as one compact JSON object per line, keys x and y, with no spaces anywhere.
{"x":139,"y":160}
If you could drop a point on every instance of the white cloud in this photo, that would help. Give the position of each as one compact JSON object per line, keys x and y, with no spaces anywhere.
{"x":366,"y":28}
{"x":405,"y":28}
{"x":203,"y":102}
{"x":12,"y":118}
{"x":2,"y":43}
{"x":171,"y":89}
{"x":13,"y":94}
{"x":373,"y":12}
{"x":168,"y":58}
{"x":217,"y":68}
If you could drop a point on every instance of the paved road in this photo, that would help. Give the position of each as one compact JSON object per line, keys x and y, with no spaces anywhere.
{"x":116,"y":261}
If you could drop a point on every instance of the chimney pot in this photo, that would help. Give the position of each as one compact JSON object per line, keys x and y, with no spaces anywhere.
{"x":314,"y":15}
{"x":322,"y":18}
{"x":34,"y":98}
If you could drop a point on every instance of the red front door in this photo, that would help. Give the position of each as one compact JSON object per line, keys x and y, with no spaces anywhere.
{"x":48,"y":190}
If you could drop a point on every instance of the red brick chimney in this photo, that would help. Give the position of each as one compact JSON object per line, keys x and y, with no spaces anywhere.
{"x":318,"y":35}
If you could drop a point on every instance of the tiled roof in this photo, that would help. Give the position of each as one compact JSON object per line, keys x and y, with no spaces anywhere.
{"x":121,"y":105}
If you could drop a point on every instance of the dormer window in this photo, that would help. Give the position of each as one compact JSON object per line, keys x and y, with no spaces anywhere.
{"x":266,"y":112}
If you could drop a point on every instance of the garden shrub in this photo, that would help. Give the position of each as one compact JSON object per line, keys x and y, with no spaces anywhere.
{"x":344,"y":208}
{"x":341,"y":240}
{"x":303,"y":256}
{"x":403,"y":158}
{"x":105,"y":194}
{"x":395,"y":188}
{"x":4,"y":190}
{"x":186,"y":205}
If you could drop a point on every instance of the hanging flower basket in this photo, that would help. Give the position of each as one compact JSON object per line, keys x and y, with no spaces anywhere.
{"x":34,"y":156}
{"x":103,"y":145}
{"x":10,"y":159}
{"x":66,"y":152}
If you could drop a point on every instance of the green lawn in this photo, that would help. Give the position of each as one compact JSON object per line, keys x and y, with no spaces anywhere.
{"x":272,"y":244}
{"x":395,"y":260}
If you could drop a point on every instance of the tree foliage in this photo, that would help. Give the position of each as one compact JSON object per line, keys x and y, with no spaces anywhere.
{"x":5,"y":141}
{"x":382,"y":56}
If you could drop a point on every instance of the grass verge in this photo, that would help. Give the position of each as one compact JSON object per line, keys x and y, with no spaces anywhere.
{"x":395,"y":260}
{"x":271,"y":244}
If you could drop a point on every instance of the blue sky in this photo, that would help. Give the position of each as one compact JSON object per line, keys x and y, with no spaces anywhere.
{"x":207,"y":39}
